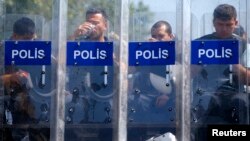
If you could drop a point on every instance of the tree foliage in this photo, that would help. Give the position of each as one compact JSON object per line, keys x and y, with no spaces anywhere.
{"x":36,"y":7}
{"x":139,"y":13}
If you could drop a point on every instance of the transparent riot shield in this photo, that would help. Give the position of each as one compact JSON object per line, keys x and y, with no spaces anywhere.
{"x":91,"y":72}
{"x":27,"y":78}
{"x":218,"y":98}
{"x":90,"y":91}
{"x":1,"y":68}
{"x":153,"y":71}
{"x":244,"y":32}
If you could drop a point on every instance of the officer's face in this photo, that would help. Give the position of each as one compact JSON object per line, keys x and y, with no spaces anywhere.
{"x":224,"y":29}
{"x":100,"y":25}
{"x":160,"y":34}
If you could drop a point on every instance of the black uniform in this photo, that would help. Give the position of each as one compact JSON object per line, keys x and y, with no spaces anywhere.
{"x":215,"y":99}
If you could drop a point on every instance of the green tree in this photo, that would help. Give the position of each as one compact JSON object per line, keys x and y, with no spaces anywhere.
{"x":140,"y":17}
{"x":140,"y":14}
{"x":36,"y":7}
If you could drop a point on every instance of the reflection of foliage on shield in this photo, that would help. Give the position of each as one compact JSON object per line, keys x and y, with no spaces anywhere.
{"x":76,"y":12}
{"x":140,"y":17}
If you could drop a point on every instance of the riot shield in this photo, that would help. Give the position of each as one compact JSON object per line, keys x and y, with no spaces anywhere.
{"x":153,"y":72}
{"x":91,"y":73}
{"x":90,"y":90}
{"x":218,"y":96}
{"x":27,"y":79}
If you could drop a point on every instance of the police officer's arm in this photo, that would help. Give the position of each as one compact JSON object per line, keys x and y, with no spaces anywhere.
{"x":9,"y":79}
{"x":161,"y":100}
{"x":81,"y":30}
{"x":244,"y":73}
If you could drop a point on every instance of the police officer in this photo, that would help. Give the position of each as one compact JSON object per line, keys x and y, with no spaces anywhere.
{"x":18,"y":107}
{"x":217,"y":103}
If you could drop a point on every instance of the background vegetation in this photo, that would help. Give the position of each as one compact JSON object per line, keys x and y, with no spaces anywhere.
{"x":140,"y":15}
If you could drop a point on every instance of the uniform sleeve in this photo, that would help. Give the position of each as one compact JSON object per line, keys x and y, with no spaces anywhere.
{"x":246,"y":57}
